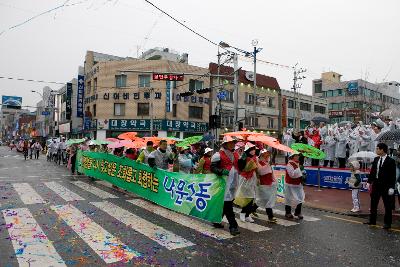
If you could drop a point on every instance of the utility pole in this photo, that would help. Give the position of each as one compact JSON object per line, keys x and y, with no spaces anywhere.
{"x":236,"y":92}
{"x":255,"y":51}
{"x":296,"y":92}
{"x":152,"y":111}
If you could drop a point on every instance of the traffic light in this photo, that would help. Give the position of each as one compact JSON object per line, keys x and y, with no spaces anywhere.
{"x":214,"y":121}
{"x":186,"y":94}
{"x":203,"y":91}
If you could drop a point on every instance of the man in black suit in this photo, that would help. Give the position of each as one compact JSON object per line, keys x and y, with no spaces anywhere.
{"x":382,"y":180}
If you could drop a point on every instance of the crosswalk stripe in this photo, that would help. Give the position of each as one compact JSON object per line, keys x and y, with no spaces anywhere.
{"x":265,"y":218}
{"x":108,"y":247}
{"x":32,"y":248}
{"x":27,"y":194}
{"x":94,"y":190}
{"x":204,"y":228}
{"x":154,"y":232}
{"x":63,"y":192}
{"x":249,"y":226}
{"x":306,"y":218}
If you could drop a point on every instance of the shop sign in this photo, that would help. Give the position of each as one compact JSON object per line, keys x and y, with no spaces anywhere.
{"x":161,"y":125}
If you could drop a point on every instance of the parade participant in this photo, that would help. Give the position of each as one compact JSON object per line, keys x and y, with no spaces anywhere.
{"x":185,"y":160}
{"x":130,"y":153}
{"x":299,"y":137}
{"x":144,"y":155}
{"x":330,"y":147}
{"x":36,"y":149}
{"x":294,"y":192}
{"x":53,"y":147}
{"x":355,"y":185}
{"x":315,"y":142}
{"x":160,"y":157}
{"x":266,"y":186}
{"x":323,"y":130}
{"x":246,"y":192}
{"x":382,"y":179}
{"x":340,"y":151}
{"x":224,"y":163}
{"x":364,"y":139}
{"x":72,"y":154}
{"x":204,"y":165}
{"x":287,"y":141}
{"x":25,"y":148}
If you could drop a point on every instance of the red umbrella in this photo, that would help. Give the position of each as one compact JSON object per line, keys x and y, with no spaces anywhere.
{"x":128,"y":136}
{"x":112,"y":139}
{"x":117,"y":144}
{"x":261,"y":138}
{"x":135,"y":144}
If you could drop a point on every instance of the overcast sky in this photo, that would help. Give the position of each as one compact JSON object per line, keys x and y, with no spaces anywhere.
{"x":357,"y":38}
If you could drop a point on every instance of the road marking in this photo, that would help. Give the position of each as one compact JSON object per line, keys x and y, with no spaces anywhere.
{"x":206,"y":229}
{"x":32,"y":248}
{"x":107,"y":246}
{"x":63,"y":192}
{"x":94,"y":190}
{"x":154,"y":232}
{"x":27,"y":194}
{"x":249,"y":226}
{"x":265,"y":218}
{"x":358,"y":222}
{"x":32,"y":176}
{"x":306,"y":218}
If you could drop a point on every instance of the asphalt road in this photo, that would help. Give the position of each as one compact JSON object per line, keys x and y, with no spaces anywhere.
{"x":49,"y":218}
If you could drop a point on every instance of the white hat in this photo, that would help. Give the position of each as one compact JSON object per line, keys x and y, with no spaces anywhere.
{"x":208,"y":150}
{"x":355,"y":164}
{"x":248,"y":146}
{"x":227,"y":139}
{"x":264,"y":151}
{"x":294,"y":153}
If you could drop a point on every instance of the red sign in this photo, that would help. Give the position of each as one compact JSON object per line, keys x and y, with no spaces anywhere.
{"x":284,"y":113}
{"x":335,"y":113}
{"x":353,"y":112}
{"x":167,"y":77}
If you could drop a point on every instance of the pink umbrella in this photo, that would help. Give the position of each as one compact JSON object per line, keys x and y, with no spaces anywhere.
{"x":112,"y":139}
{"x":117,"y":144}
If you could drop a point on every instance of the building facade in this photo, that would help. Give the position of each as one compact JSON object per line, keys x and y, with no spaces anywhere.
{"x":355,"y":100}
{"x":125,"y":94}
{"x":310,"y":107}
{"x":267,"y":94}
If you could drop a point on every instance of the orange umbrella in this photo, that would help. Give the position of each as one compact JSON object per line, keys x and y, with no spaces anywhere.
{"x":275,"y":144}
{"x":134,"y":144}
{"x":242,"y":134}
{"x":156,"y":140}
{"x":128,"y":136}
{"x":260,"y":138}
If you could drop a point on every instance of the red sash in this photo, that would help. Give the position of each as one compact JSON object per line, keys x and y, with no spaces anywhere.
{"x":266,"y":179}
{"x":290,"y":180}
{"x":226,"y":162}
{"x":247,"y":175}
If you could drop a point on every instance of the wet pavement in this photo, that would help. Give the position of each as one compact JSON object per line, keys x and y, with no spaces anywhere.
{"x":50,"y":218}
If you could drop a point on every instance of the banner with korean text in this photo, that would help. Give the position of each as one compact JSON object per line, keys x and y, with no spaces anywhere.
{"x":198,"y":195}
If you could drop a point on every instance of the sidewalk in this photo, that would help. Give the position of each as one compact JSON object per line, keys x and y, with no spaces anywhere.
{"x":340,"y":201}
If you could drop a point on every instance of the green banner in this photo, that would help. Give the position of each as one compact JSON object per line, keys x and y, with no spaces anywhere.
{"x":198,"y":195}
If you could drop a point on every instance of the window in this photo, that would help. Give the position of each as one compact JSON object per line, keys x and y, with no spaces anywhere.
{"x":120,"y":80}
{"x":195,"y":84}
{"x":95,"y":85}
{"x":291,"y":104}
{"x":270,"y":102}
{"x":174,"y":110}
{"x":143,"y":109}
{"x":94,"y":110}
{"x":228,"y":120}
{"x":318,"y":88}
{"x":229,"y":97}
{"x":173,"y":84}
{"x":249,"y":98}
{"x":305,"y":106}
{"x":319,"y":109}
{"x":270,"y":123}
{"x":249,"y":121}
{"x":63,"y":97}
{"x":144,"y":80}
{"x":89,"y":86}
{"x":339,"y":92}
{"x":195,"y":112}
{"x":119,"y":109}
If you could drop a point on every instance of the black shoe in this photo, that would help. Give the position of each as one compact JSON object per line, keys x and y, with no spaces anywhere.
{"x":387,"y":226}
{"x":234,"y":231}
{"x":369,"y":223}
{"x":218,"y":225}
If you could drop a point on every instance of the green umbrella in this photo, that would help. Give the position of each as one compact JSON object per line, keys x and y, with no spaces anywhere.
{"x":190,"y":141}
{"x":74,"y":141}
{"x":99,"y":142}
{"x":308,"y":151}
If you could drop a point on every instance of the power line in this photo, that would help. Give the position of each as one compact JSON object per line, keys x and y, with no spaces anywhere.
{"x":180,"y":23}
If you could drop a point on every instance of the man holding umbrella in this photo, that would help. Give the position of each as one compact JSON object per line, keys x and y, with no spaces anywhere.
{"x":382,"y":179}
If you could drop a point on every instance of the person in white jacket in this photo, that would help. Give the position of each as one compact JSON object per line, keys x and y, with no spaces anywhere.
{"x":330,"y":147}
{"x":294,"y":192}
{"x":340,"y":151}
